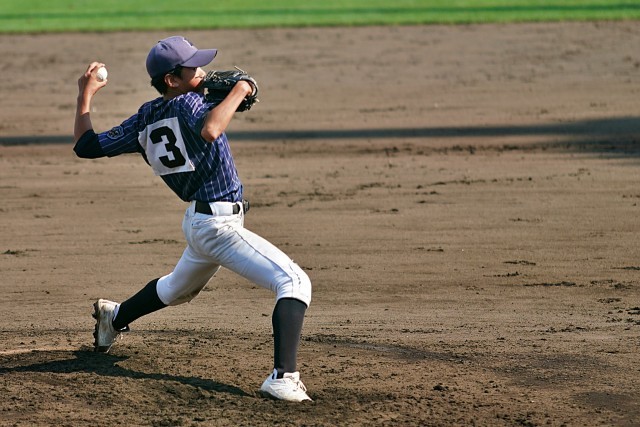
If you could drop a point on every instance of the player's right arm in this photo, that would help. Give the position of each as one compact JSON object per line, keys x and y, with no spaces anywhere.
{"x":87,"y":145}
{"x":88,"y":85}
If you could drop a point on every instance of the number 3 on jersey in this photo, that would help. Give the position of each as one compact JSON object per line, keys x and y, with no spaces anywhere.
{"x":164,"y":147}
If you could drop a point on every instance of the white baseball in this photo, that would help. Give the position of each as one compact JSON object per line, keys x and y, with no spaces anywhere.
{"x":101,"y":74}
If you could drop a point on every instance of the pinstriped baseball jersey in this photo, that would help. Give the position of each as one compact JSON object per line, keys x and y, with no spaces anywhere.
{"x":167,"y":134}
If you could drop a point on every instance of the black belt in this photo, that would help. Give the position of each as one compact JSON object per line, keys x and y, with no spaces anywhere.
{"x":204,"y":208}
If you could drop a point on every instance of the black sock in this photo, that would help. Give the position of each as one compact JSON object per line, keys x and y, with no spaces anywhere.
{"x":144,"y":302}
{"x":288,"y":316}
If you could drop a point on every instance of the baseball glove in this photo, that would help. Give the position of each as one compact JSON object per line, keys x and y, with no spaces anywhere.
{"x":218,"y":84}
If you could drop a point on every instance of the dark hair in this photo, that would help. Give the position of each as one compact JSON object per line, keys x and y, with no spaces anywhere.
{"x":159,"y":83}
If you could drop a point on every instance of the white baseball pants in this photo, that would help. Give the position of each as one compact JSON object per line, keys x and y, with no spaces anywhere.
{"x":220,"y":240}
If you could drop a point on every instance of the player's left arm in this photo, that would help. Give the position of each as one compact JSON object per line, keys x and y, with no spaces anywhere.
{"x":219,"y":117}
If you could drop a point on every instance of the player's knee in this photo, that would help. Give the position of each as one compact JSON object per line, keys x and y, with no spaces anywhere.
{"x":297,"y":286}
{"x":306,"y":288}
{"x":171,"y":294}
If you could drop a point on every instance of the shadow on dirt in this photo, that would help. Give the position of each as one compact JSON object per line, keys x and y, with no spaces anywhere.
{"x":614,"y":135}
{"x":624,"y":132}
{"x":104,"y":365}
{"x":405,"y":353}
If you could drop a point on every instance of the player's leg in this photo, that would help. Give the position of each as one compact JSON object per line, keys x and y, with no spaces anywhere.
{"x":287,"y":320}
{"x":258,"y":260}
{"x":144,"y":302}
{"x":188,"y":278}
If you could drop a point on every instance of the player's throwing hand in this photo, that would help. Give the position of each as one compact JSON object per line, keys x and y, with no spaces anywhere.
{"x":88,"y":83}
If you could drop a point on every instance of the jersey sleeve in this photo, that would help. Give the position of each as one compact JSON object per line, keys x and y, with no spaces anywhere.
{"x":88,"y":146}
{"x":121,"y":139}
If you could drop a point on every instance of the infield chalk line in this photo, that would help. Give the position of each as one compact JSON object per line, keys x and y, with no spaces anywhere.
{"x":31,"y":350}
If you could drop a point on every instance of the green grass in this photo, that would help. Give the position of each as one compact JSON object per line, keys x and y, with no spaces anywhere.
{"x":18,"y":16}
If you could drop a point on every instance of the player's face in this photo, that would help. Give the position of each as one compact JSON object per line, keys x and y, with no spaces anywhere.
{"x":190,"y":79}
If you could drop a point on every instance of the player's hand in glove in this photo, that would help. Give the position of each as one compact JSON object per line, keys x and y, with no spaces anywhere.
{"x":218,"y":84}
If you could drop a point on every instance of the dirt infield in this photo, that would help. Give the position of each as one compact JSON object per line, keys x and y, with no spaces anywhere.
{"x":465,"y":200}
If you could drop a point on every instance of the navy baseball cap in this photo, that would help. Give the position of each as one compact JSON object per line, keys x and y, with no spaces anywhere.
{"x":173,"y":51}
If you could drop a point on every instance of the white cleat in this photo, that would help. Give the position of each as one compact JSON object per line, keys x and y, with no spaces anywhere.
{"x":289,"y":387}
{"x":105,"y":335}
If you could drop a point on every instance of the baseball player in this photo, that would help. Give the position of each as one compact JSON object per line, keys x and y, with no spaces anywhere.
{"x":181,"y":136}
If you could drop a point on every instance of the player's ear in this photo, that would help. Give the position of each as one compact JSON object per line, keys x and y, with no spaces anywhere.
{"x":171,"y":80}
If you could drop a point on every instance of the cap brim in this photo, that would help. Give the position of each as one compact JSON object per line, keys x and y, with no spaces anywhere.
{"x":201,"y":58}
